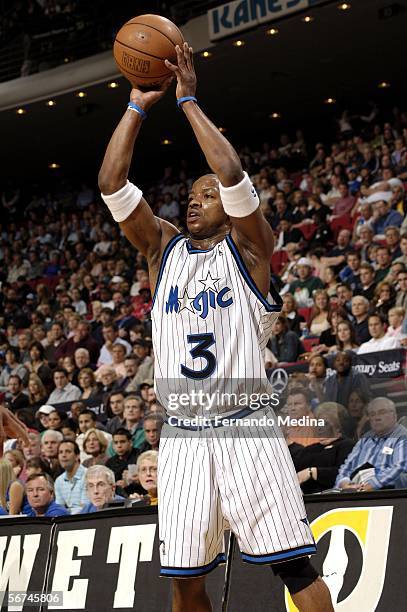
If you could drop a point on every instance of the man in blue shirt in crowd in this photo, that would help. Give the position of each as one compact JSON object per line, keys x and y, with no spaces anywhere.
{"x":379,"y":459}
{"x":40,"y":495}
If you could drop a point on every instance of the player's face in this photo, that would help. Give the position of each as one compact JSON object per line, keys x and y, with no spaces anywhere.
{"x":205,"y":213}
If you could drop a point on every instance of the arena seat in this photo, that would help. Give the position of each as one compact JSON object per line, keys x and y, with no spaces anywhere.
{"x":342,"y":222}
{"x":307,"y":230}
{"x":306,"y":313}
{"x":278,"y":259}
{"x":308,"y":343}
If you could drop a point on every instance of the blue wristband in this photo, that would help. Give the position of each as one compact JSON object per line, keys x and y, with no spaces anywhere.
{"x":180,"y":101}
{"x":138,"y":110}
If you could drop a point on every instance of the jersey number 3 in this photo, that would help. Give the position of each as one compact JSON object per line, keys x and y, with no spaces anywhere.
{"x":203,"y":342}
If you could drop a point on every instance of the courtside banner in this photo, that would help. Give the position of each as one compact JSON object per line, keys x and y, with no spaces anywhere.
{"x":361,"y":555}
{"x":240,"y":15}
{"x":110,"y":560}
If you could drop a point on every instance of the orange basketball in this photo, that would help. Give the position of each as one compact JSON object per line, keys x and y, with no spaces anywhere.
{"x":142,"y":45}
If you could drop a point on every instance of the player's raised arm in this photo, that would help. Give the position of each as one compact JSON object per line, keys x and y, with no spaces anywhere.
{"x":238,"y":195}
{"x":124,"y":200}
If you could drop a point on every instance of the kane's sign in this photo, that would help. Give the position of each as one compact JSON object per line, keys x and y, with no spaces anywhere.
{"x":241,"y":15}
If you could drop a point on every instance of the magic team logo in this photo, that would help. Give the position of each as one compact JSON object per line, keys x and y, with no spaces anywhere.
{"x":367,"y":531}
{"x":211,"y":297}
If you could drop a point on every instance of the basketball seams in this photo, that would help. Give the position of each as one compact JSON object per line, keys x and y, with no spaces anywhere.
{"x":161,"y":59}
{"x":154,"y":28}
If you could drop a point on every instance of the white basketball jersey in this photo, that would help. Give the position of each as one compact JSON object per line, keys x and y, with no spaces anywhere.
{"x":210,"y":328}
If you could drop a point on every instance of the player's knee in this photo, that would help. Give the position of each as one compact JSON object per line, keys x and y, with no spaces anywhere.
{"x":296,"y":575}
{"x":188,"y":587}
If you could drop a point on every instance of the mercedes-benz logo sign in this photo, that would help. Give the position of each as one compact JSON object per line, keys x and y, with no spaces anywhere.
{"x":279,"y":380}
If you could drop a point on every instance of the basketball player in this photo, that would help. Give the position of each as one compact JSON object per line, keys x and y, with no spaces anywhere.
{"x":11,"y":427}
{"x":212,"y":316}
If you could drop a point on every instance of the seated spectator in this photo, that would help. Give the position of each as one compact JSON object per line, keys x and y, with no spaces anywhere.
{"x":384,"y":299}
{"x":50,"y":442}
{"x":15,"y":396}
{"x":64,"y":390}
{"x":37,"y":393}
{"x":133,"y":419}
{"x":41,"y":417}
{"x":367,"y":284}
{"x":403,"y":248}
{"x":392,"y":236}
{"x":69,"y":429}
{"x":41,"y":496}
{"x":351,"y":272}
{"x":124,"y":453}
{"x":32,"y":448}
{"x":100,"y":487}
{"x":55,"y":419}
{"x":337,"y":255}
{"x":328,"y":338}
{"x":131,"y":364}
{"x":12,"y":367}
{"x":55,"y":339}
{"x":295,"y":321}
{"x":87,"y":420}
{"x":379,"y":458}
{"x":88,"y":385}
{"x":330,"y":281}
{"x":383,"y":263}
{"x":119,"y":356}
{"x":16,"y":458}
{"x":81,"y":360}
{"x":345,"y":203}
{"x":345,"y":338}
{"x":384,"y":216}
{"x":287,"y":234}
{"x":357,"y":409}
{"x":298,"y":406}
{"x":401,"y":298}
{"x":344,"y":297}
{"x":35,"y":466}
{"x":111,"y":337}
{"x":152,"y":425}
{"x":396,"y":318}
{"x":316,"y":375}
{"x":285,"y":345}
{"x":115,"y":409}
{"x":303,"y":288}
{"x":344,"y":380}
{"x":106,"y":377}
{"x":147,"y":464}
{"x":70,"y":490}
{"x":81,"y":338}
{"x":37,"y":364}
{"x":378,"y":341}
{"x":145,"y":370}
{"x":95,"y":444}
{"x":360,"y":310}
{"x":12,"y":497}
{"x":317,"y":465}
{"x":320,"y":312}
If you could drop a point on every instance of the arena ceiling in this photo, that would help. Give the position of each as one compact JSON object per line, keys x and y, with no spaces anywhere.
{"x":342,"y":55}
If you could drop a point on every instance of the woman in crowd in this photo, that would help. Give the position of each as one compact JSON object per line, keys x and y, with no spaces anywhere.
{"x":384,"y":299}
{"x":69,"y":365}
{"x":95,"y":444}
{"x":37,"y":393}
{"x":357,"y":409}
{"x":330,"y":280}
{"x":396,"y":317}
{"x":317,"y":375}
{"x":147,"y":474}
{"x":289,"y":309}
{"x":317,"y":465}
{"x":345,"y":338}
{"x":320,"y":312}
{"x":38,"y":365}
{"x":36,"y":466}
{"x":12,"y":496}
{"x":16,"y":458}
{"x":285,"y":344}
{"x":87,"y":382}
{"x":69,"y":429}
{"x":328,"y":337}
{"x":55,"y":419}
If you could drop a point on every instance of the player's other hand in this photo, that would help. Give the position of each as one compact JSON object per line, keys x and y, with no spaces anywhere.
{"x":145,"y":99}
{"x":184,"y":71}
{"x":11,"y":427}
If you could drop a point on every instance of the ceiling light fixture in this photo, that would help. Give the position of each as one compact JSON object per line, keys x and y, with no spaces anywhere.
{"x":272,"y":31}
{"x":383,"y":85}
{"x":275,"y":115}
{"x":166,"y":141}
{"x":54,"y":166}
{"x":344,"y":6}
{"x":206,"y":54}
{"x":21,"y":111}
{"x":51,"y":103}
{"x":239,"y":43}
{"x":113,"y":85}
{"x":81,"y":94}
{"x":330,"y":101}
{"x":308,"y":19}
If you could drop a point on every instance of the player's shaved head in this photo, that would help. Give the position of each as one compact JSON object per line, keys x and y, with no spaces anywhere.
{"x":205,"y":216}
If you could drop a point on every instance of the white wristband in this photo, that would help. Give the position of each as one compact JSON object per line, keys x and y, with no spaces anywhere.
{"x":122,"y":203}
{"x":240,"y":200}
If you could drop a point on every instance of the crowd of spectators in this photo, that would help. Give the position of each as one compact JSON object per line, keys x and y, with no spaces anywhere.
{"x":76,"y":359}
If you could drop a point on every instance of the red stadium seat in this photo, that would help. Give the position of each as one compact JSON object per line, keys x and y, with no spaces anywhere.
{"x":306,"y":313}
{"x":278,"y":259}
{"x":343,"y":222}
{"x":308,"y":343}
{"x":307,"y":230}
